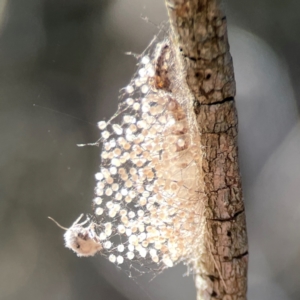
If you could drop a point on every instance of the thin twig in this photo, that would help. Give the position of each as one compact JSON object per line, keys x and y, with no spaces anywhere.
{"x":199,"y":34}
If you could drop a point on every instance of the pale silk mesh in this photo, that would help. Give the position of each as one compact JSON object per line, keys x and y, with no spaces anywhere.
{"x":147,"y":203}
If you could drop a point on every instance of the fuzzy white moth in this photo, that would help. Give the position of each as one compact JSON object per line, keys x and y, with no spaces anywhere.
{"x":147,"y":194}
{"x":82,"y":240}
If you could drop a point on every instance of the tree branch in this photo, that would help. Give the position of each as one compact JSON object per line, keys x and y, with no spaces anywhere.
{"x":199,"y":35}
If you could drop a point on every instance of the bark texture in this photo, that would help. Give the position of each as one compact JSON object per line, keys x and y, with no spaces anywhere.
{"x":199,"y":33}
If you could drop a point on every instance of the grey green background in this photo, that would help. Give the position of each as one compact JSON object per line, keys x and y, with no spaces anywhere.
{"x":67,"y":58}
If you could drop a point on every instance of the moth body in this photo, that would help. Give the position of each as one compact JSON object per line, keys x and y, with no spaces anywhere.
{"x":82,"y":240}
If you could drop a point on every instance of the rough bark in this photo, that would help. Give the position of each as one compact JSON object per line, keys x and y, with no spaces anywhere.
{"x":199,"y":33}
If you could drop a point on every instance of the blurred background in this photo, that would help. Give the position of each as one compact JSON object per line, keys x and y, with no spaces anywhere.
{"x":62,"y":64}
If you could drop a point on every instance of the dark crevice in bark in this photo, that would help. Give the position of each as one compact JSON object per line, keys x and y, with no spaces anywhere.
{"x":191,"y":58}
{"x":229,"y":219}
{"x":228,"y":99}
{"x":212,"y":278}
{"x":241,"y":255}
{"x":195,"y":59}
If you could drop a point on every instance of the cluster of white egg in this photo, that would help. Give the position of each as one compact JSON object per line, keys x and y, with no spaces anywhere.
{"x":147,"y":192}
